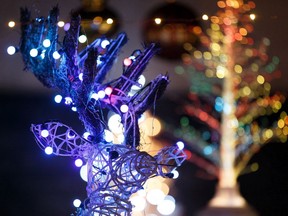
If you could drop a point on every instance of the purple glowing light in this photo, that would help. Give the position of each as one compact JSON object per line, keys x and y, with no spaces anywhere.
{"x":66,"y":26}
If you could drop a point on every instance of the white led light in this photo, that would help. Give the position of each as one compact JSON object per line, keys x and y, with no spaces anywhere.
{"x":155,"y":196}
{"x":77,"y":203}
{"x":114,"y":124}
{"x":42,"y":55}
{"x":83,"y":173}
{"x":167,"y":205}
{"x":138,"y":203}
{"x":180,"y":145}
{"x":78,"y":162}
{"x":109,"y":21}
{"x":132,"y":57}
{"x":68,"y":100}
{"x":11,"y":24}
{"x":99,"y":60}
{"x":80,"y":76}
{"x":70,"y":134}
{"x":124,"y":108}
{"x":141,"y":192}
{"x":46,"y":43}
{"x":104,"y":43}
{"x":48,"y":150}
{"x":121,"y":138}
{"x":44,"y":133}
{"x":95,"y":96}
{"x":82,"y":39}
{"x":252,"y":16}
{"x":141,"y":82}
{"x":61,"y":24}
{"x":175,"y":174}
{"x":56,"y":55}
{"x":33,"y":52}
{"x":108,"y":91}
{"x":108,"y":136}
{"x":101,"y":94}
{"x":11,"y":50}
{"x":158,"y":20}
{"x":58,"y":98}
{"x":86,"y":135}
{"x":74,"y":109}
{"x":205,"y":17}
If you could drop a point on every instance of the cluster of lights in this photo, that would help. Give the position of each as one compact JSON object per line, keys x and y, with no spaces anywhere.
{"x":108,"y":153}
{"x":155,"y":193}
{"x":102,"y":25}
{"x":155,"y":189}
{"x":216,"y":38}
{"x":204,"y":142}
{"x":40,"y":51}
{"x":46,"y":43}
{"x":228,"y":55}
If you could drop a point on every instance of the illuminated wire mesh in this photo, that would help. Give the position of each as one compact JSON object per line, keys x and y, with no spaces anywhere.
{"x":114,"y":170}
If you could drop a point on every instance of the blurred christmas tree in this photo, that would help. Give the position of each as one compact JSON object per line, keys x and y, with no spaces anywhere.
{"x":225,"y":119}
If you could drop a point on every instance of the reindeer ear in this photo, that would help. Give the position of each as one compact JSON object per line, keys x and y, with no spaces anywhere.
{"x":59,"y":139}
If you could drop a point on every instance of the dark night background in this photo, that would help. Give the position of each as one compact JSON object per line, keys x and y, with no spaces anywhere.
{"x":34,"y":184}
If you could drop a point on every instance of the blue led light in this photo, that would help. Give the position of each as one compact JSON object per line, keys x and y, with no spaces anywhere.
{"x":207,"y":150}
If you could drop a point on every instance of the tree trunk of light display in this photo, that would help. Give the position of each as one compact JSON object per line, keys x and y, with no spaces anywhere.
{"x":227,"y":200}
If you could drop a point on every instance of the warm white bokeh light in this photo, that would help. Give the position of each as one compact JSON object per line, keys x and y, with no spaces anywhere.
{"x":155,"y":196}
{"x":139,"y":203}
{"x":167,"y":205}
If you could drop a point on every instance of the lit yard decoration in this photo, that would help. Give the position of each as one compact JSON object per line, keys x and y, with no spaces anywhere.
{"x":230,"y":99}
{"x":115,"y":170}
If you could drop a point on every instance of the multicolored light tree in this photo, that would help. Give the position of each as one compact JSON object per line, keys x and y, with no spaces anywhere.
{"x":116,"y":168}
{"x":230,"y":94}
